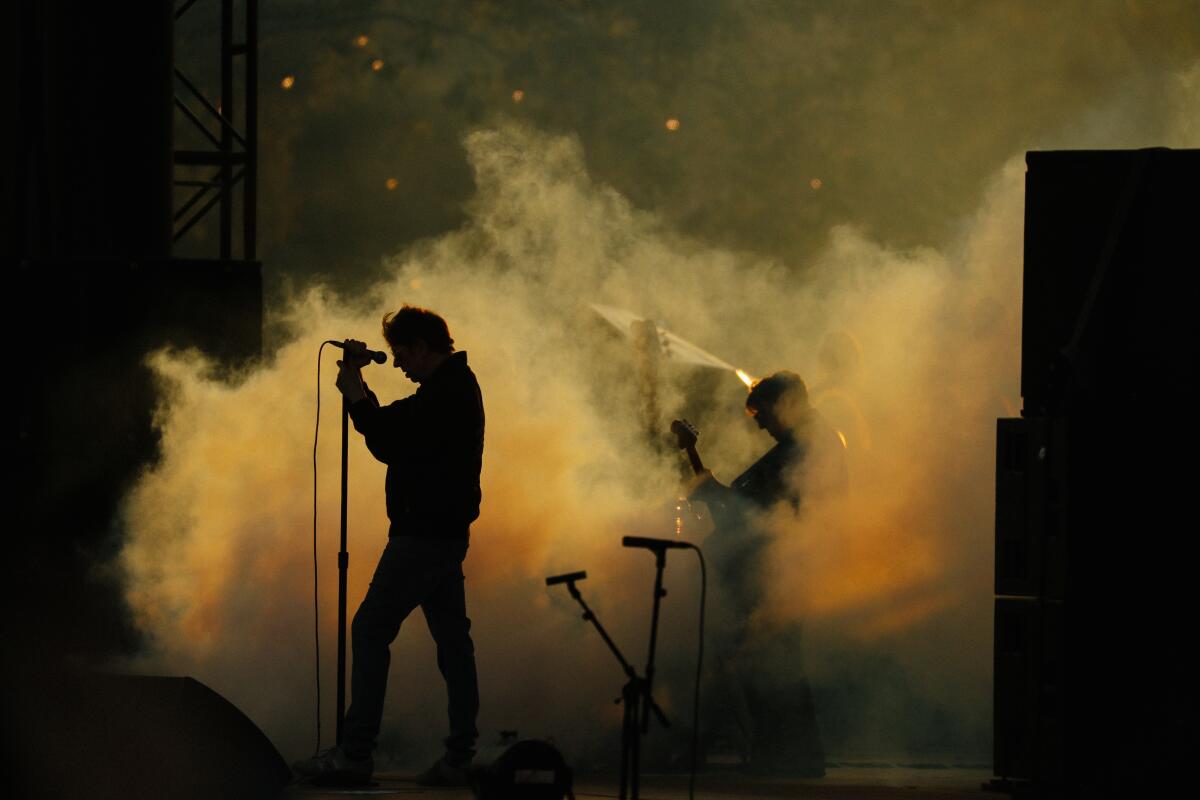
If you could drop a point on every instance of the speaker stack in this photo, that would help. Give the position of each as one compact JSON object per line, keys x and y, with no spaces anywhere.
{"x":1094,"y":672}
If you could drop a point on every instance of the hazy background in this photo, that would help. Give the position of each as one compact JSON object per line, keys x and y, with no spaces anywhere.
{"x":843,"y":178}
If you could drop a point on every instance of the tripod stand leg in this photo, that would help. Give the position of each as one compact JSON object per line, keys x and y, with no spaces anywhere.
{"x":635,"y":755}
{"x":624,"y":793}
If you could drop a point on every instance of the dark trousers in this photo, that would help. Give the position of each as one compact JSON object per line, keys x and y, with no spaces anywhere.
{"x":413,"y":571}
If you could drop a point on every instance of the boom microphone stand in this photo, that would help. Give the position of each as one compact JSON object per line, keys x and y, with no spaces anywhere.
{"x":635,"y":694}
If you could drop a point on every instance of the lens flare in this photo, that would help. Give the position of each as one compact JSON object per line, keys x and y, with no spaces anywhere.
{"x":672,"y":124}
{"x":288,"y":81}
{"x":361,"y":41}
{"x":377,"y":65}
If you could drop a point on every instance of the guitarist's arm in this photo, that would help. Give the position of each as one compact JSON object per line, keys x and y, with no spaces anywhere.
{"x":705,"y":486}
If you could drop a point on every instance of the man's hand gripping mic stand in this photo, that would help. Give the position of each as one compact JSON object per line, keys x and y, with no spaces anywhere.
{"x":636,"y":697}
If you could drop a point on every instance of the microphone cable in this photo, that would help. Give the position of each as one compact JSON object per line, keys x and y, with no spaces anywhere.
{"x":699,"y":671}
{"x":316,"y":606}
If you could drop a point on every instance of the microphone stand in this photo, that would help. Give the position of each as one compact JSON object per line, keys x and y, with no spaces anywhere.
{"x":343,"y":564}
{"x":660,"y":563}
{"x":635,"y":692}
{"x":343,"y":556}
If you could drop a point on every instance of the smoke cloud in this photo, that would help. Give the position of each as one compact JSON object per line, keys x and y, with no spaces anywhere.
{"x":219,"y":554}
{"x":892,"y":286}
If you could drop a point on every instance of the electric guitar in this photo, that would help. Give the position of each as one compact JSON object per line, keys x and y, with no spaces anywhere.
{"x":686,"y":435}
{"x":722,"y":502}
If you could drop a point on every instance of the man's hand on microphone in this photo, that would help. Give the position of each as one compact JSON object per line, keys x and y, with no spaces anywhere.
{"x":349,"y":379}
{"x":354,"y":353}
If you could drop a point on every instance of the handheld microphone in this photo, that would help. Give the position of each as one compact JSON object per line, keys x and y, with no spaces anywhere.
{"x":657,"y":545}
{"x":569,"y":577}
{"x":377,"y":356}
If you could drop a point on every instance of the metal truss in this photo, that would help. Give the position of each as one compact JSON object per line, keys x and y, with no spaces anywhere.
{"x":234,"y":152}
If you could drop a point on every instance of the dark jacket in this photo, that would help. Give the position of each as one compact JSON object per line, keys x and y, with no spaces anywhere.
{"x":432,"y":442}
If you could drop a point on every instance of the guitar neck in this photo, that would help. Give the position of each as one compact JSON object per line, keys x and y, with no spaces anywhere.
{"x":694,"y":459}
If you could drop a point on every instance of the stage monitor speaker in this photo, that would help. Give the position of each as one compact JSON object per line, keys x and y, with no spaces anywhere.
{"x":110,"y":737}
{"x":529,"y":769}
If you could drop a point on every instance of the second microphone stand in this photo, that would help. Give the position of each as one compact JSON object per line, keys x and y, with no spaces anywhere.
{"x":636,"y":699}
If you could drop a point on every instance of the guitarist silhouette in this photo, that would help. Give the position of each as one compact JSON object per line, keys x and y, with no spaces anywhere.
{"x":807,"y":456}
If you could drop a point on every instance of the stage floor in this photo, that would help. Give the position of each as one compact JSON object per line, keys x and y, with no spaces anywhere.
{"x":839,"y":783}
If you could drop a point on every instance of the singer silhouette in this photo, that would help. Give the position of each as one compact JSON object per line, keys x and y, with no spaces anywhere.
{"x":432,"y":443}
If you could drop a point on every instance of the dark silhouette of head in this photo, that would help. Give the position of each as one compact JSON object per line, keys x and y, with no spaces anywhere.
{"x":779,"y":403}
{"x":419,"y":340}
{"x":412,"y":324}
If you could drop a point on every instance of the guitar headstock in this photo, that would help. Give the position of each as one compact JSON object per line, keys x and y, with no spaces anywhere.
{"x":685,"y":432}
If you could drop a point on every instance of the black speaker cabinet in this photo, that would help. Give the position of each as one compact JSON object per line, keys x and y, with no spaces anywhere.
{"x":1095,"y":675}
{"x":118,"y":737}
{"x":1017,"y":674}
{"x":1021,"y":484}
{"x":1111,"y":278}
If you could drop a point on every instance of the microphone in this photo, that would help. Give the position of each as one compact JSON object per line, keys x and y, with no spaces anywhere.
{"x":377,"y":356}
{"x":569,"y":577}
{"x":657,"y":545}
